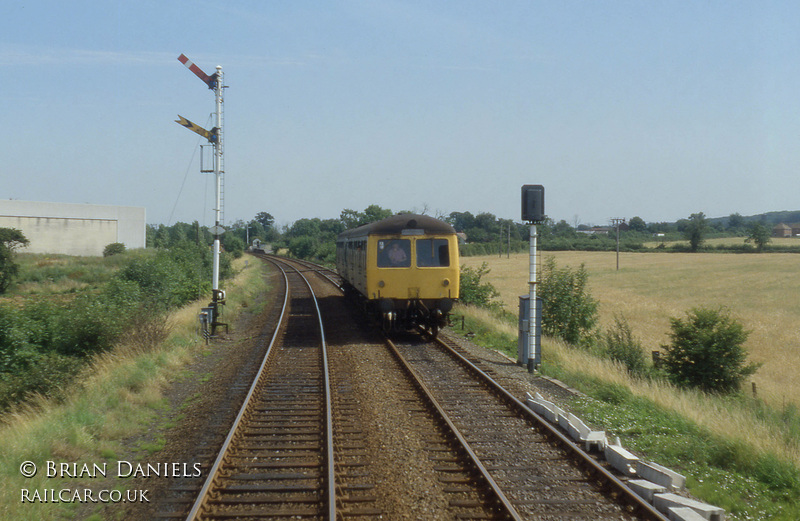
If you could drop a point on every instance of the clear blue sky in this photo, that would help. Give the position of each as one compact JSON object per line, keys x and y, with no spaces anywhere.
{"x":619,"y":108}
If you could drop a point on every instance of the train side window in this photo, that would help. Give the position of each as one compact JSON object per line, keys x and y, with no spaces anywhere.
{"x":433,"y":253}
{"x":394,"y":253}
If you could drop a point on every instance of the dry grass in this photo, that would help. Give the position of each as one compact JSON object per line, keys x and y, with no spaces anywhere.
{"x":760,"y":290}
{"x":731,"y":241}
{"x":715,"y":415}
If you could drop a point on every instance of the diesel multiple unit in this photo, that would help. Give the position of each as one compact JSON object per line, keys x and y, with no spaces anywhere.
{"x":405,"y":268}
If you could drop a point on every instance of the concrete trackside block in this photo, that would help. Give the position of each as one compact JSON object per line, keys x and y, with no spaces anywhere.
{"x":646,"y":489}
{"x":663,"y":502}
{"x":683,"y":514}
{"x":579,"y":431}
{"x":532,"y":402}
{"x":563,"y":420}
{"x":621,"y":459}
{"x":536,"y":403}
{"x":544,"y":408}
{"x":558,"y":413}
{"x":573,"y":428}
{"x":661,"y":475}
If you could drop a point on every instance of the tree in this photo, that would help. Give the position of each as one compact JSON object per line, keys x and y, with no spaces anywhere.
{"x":332,"y":226}
{"x":759,"y":234}
{"x":10,"y":239}
{"x":735,"y":222}
{"x":461,"y":221}
{"x":637,"y":224}
{"x":353,"y":219}
{"x":695,"y":229}
{"x":373,"y":213}
{"x":233,"y":244}
{"x":568,"y":310}
{"x":472,"y":290}
{"x":563,"y":229}
{"x":350,"y":218}
{"x":266,"y":220}
{"x":305,"y":228}
{"x":706,"y":351}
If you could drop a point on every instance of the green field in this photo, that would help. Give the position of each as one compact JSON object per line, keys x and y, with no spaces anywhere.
{"x":761,"y":290}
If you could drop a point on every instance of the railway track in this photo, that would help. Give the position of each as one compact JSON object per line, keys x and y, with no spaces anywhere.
{"x":276,"y":463}
{"x":543,"y":473}
{"x":364,"y":431}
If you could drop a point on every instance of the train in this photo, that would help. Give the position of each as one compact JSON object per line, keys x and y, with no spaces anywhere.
{"x":405,"y":269}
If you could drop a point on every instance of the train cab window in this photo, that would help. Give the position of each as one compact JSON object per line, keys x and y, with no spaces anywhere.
{"x":432,"y":253}
{"x":394,"y":253}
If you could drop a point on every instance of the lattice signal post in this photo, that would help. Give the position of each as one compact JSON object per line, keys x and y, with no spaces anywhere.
{"x":214,"y":136}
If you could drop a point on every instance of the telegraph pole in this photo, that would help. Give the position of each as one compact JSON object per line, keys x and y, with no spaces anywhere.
{"x":617,"y":221}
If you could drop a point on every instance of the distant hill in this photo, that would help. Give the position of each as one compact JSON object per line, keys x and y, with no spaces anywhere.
{"x":770,"y":218}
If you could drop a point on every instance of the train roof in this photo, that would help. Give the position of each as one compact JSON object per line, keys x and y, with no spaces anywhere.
{"x":405,"y":223}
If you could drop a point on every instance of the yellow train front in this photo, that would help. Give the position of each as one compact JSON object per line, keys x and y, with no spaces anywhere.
{"x":405,"y":268}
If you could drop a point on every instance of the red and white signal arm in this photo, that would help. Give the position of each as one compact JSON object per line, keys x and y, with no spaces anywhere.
{"x":211,"y":81}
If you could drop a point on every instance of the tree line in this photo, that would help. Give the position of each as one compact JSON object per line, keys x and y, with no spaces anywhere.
{"x":482,"y":233}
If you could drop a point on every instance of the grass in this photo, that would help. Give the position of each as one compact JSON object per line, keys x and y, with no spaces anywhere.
{"x":48,"y":275}
{"x":730,"y":241}
{"x":117,"y":398}
{"x":760,"y":290}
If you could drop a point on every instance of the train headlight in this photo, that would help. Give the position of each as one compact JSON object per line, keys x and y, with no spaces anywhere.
{"x":381,"y":284}
{"x":446,"y":282}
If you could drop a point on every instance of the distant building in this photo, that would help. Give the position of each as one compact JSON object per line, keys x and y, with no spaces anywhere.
{"x":786,"y":230}
{"x":74,"y":229}
{"x":604,"y":230}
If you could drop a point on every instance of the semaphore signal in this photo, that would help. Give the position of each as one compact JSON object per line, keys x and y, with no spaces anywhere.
{"x":210,"y":135}
{"x":211,"y":81}
{"x":215,"y":137}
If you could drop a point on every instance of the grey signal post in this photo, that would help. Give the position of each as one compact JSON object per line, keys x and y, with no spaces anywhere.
{"x":215,"y":83}
{"x":533,"y":212}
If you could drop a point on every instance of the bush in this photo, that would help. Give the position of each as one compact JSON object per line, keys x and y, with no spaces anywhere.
{"x":173,"y":277}
{"x":620,"y":345}
{"x":706,"y":351}
{"x":233,"y":244}
{"x":49,"y":375}
{"x":115,"y":248}
{"x":10,"y":238}
{"x":303,"y":247}
{"x":569,"y":312}
{"x":472,"y":290}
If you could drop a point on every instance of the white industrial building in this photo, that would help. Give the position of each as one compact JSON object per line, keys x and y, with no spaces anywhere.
{"x":74,"y":229}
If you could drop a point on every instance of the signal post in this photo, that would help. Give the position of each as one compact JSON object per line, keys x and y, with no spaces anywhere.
{"x":214,"y":136}
{"x":530,"y":352}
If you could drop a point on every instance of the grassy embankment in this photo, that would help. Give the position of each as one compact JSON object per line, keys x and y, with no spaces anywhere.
{"x":115,"y":398}
{"x":744,"y":453}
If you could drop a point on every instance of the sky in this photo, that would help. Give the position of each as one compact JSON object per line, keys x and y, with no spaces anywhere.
{"x":656,"y":109}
